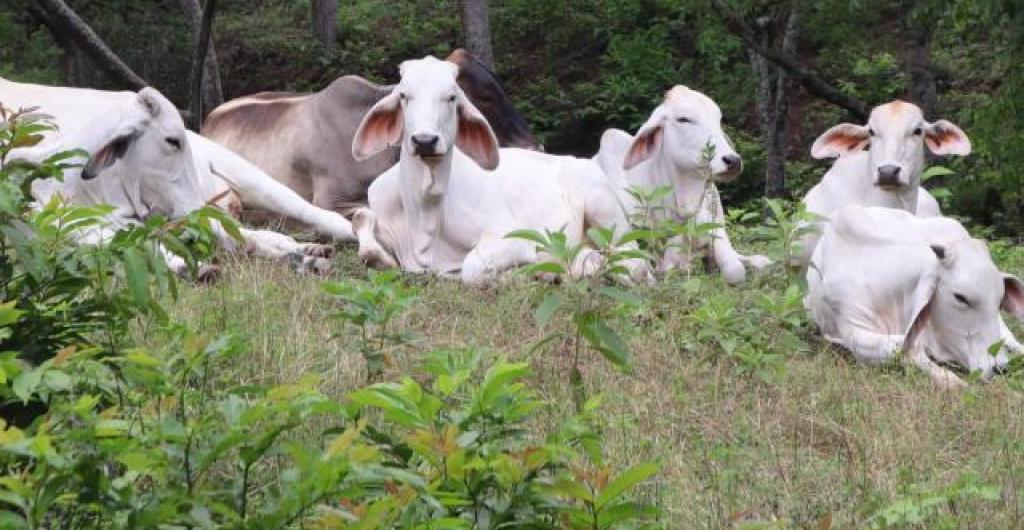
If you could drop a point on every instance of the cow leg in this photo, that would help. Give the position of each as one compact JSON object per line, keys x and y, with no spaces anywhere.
{"x":371,"y":251}
{"x":942,"y":377}
{"x":259,"y":190}
{"x":726,"y":257}
{"x":869,"y":347}
{"x":602,"y":209}
{"x":307,"y":257}
{"x":1009,"y":341}
{"x":491,"y":257}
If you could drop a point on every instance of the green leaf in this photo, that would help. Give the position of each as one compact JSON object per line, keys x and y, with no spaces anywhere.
{"x":137,"y":277}
{"x":542,"y":315}
{"x":935,"y":171}
{"x":529,"y":235}
{"x":624,"y":482}
{"x":620,"y":295}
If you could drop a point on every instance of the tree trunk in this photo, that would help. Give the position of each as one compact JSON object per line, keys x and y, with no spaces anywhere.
{"x":476,"y":30}
{"x":918,"y":63}
{"x":810,"y":80}
{"x":68,"y":23}
{"x":198,"y":60}
{"x":773,"y":94}
{"x":213,"y":95}
{"x":325,"y":22}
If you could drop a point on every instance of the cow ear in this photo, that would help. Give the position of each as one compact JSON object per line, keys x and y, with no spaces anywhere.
{"x":381,"y":127}
{"x":475,"y":136}
{"x":945,"y":138}
{"x":1013,"y":296}
{"x":647,"y":141}
{"x":840,"y":140}
{"x":108,"y":154}
{"x":921,"y":301}
{"x":149,"y":97}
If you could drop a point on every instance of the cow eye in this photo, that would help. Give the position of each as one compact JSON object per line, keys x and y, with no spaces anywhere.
{"x":917,"y":131}
{"x":871,"y":132}
{"x":173,"y":142}
{"x":684,"y":120}
{"x":451,"y":98}
{"x":961,"y":299}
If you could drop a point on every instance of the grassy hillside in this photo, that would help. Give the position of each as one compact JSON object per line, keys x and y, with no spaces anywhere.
{"x":793,"y":437}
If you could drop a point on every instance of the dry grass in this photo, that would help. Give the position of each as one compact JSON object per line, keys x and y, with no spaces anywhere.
{"x":827,"y":439}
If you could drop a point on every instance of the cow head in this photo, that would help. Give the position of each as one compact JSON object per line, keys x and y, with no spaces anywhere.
{"x":683,"y":127}
{"x":895,"y":135}
{"x":146,"y":154}
{"x":485,"y":91}
{"x":957,"y":311}
{"x":428,"y":114}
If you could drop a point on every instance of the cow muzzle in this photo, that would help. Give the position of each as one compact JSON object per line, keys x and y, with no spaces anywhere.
{"x":732,"y":167}
{"x":888,"y":177}
{"x":425,"y":146}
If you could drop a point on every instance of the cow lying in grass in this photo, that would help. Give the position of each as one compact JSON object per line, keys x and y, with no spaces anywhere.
{"x":303,"y":139}
{"x":889,"y":172}
{"x":443,"y":211}
{"x":143,"y":162}
{"x":669,"y":150}
{"x":883,"y":280}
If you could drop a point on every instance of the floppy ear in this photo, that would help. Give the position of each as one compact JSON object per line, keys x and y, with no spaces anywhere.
{"x":381,"y":128}
{"x":1013,"y":297}
{"x":944,"y":138}
{"x":108,"y":154}
{"x":647,"y":141}
{"x":921,"y":301}
{"x":475,"y":136}
{"x":842,"y":139}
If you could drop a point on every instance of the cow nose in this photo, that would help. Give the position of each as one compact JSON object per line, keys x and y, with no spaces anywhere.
{"x":425,"y":144}
{"x":732,"y":162}
{"x":889,"y":175}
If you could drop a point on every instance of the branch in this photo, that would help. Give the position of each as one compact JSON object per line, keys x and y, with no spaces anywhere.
{"x":69,"y":23}
{"x":808,"y":79}
{"x":198,"y":59}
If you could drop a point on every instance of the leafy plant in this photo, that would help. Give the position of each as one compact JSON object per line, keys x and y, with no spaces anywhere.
{"x":372,"y":307}
{"x":589,"y":301}
{"x":466,"y":438}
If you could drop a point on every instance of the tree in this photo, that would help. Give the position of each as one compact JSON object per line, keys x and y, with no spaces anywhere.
{"x":325,"y":22}
{"x":198,"y":60}
{"x":64,"y":21}
{"x":476,"y":30}
{"x":213,"y":95}
{"x":773,"y":94}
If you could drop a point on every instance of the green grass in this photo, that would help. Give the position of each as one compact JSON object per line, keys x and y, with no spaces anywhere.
{"x":822,"y":440}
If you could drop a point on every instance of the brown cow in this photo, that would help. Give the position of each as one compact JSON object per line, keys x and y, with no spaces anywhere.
{"x":305,"y":140}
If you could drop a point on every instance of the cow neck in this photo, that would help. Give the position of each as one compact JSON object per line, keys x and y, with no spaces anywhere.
{"x":905,"y":200}
{"x":422,"y":189}
{"x":688,"y":187}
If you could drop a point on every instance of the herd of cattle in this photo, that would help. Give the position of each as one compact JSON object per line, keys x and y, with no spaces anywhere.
{"x":435,"y":171}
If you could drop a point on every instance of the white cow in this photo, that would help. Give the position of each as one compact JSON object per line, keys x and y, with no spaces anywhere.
{"x":889,"y":172}
{"x":883,"y":280}
{"x":143,"y":161}
{"x":438,"y":210}
{"x":669,"y":151}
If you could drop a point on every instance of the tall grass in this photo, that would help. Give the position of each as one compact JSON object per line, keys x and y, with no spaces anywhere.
{"x":823,"y":443}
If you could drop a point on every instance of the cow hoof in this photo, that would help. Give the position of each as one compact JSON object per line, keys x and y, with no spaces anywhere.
{"x":759,"y":262}
{"x":207,"y":274}
{"x":317,"y":250}
{"x":316,"y":266}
